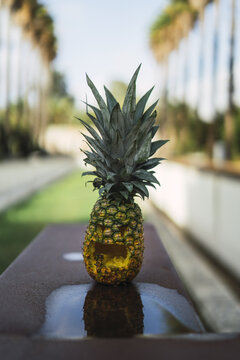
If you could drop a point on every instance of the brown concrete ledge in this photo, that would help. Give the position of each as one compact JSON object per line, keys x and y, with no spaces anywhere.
{"x":164,"y":348}
{"x":41,"y":269}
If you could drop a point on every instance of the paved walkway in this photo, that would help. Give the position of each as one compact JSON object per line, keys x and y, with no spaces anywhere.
{"x":21,"y":178}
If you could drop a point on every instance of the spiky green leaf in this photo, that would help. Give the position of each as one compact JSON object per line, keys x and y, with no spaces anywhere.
{"x":144,"y":150}
{"x":151,"y":163}
{"x":148,"y":183}
{"x":108,"y":187}
{"x":149,"y":111}
{"x":99,"y":127}
{"x":91,"y":130}
{"x":98,"y":97}
{"x":95,"y":144}
{"x":117,"y":119}
{"x":111,"y":176}
{"x":128,"y":186}
{"x":86,"y":173}
{"x":145,"y":175}
{"x":141,"y":104}
{"x":154,"y":130}
{"x":97,"y":113}
{"x":125,"y":194}
{"x":111,"y":101}
{"x":142,"y":187}
{"x":129,"y":103}
{"x":156,"y":145}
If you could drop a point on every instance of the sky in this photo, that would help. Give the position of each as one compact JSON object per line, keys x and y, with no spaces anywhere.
{"x":107,"y":40}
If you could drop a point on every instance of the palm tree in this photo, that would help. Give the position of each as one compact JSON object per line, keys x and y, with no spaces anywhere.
{"x":36,"y":33}
{"x":45,"y":38}
{"x":172,"y":25}
{"x":39,"y":29}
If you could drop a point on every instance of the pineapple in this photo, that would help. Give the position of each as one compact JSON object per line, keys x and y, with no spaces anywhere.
{"x":120,"y":150}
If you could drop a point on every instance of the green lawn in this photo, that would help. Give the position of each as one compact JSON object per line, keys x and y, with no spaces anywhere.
{"x":67,"y":200}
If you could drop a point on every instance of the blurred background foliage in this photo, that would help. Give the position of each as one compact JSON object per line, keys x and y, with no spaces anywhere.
{"x":45,"y":100}
{"x":199,"y":111}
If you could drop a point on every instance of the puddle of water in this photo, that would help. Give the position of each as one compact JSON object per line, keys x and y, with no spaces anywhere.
{"x":78,"y":311}
{"x":73,"y":256}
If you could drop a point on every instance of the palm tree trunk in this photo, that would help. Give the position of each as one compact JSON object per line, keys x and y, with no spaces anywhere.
{"x":229,"y":116}
{"x":3,"y":64}
{"x":25,"y":81}
{"x":7,"y":71}
{"x":212,"y":126}
{"x":215,"y":52}
{"x":45,"y":91}
{"x":164,"y":101}
{"x":38,"y":91}
{"x":32,"y":89}
{"x":1,"y":6}
{"x":19,"y":79}
{"x":186,"y":68}
{"x":201,"y":58}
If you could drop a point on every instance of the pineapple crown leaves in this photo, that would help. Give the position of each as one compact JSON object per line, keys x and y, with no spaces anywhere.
{"x":121,"y":143}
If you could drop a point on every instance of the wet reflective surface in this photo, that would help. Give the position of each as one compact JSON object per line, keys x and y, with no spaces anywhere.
{"x":73,"y":256}
{"x":77,"y":311}
{"x":113,"y":311}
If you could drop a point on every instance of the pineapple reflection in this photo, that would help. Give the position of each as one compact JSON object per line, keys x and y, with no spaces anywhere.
{"x":113,"y":311}
{"x":96,"y":310}
{"x":129,"y":310}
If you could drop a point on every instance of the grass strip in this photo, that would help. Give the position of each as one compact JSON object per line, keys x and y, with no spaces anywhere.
{"x":66,"y":201}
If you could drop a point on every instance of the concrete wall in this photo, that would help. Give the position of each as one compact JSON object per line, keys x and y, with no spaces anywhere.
{"x":206,"y":204}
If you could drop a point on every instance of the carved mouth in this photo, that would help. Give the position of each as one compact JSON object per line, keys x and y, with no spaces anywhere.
{"x":111,"y":254}
{"x":110,"y":249}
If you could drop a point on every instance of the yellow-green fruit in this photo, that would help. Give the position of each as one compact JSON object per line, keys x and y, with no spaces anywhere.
{"x":113,"y":246}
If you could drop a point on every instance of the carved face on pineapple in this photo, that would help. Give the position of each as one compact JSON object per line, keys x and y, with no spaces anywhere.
{"x":113,"y":249}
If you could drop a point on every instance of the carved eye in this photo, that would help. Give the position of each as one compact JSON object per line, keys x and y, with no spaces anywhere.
{"x":122,"y":229}
{"x":100,"y":230}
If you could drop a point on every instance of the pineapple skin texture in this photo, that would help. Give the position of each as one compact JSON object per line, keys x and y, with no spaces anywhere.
{"x":114,"y":224}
